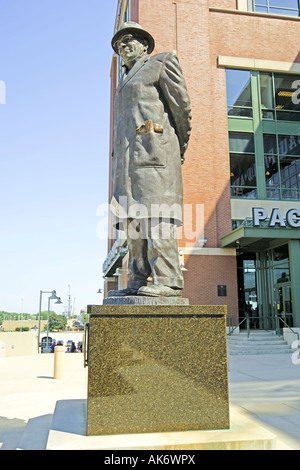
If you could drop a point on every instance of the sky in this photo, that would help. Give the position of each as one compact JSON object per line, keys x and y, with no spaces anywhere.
{"x":55,"y":59}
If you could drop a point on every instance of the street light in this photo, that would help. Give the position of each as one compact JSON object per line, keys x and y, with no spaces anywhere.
{"x":58,"y":301}
{"x":53,"y":296}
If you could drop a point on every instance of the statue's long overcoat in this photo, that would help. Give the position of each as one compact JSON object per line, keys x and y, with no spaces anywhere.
{"x":147,"y":166}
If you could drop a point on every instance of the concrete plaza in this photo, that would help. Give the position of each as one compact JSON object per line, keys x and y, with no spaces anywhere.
{"x":265,"y":387}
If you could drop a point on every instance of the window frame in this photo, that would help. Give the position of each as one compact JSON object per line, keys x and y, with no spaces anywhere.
{"x":260,"y":126}
{"x":254,"y":3}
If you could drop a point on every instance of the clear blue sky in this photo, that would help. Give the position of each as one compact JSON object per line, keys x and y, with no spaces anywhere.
{"x":54,"y":147}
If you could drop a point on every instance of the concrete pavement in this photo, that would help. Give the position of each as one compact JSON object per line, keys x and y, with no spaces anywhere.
{"x":266,"y":387}
{"x":28,"y":396}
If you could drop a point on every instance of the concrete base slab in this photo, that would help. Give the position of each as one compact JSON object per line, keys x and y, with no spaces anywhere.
{"x":69,"y":423}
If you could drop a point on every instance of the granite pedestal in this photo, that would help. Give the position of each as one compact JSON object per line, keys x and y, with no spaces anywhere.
{"x":156,"y":368}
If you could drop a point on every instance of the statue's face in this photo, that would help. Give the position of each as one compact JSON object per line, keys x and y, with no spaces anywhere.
{"x":131,"y":49}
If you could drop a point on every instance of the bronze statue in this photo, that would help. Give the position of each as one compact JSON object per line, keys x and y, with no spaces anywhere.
{"x":151,"y":133}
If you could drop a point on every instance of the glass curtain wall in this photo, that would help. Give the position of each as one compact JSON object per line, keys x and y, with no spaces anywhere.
{"x":264,"y":134}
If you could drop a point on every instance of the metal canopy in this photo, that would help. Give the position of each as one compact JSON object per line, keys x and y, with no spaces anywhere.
{"x":255,"y":239}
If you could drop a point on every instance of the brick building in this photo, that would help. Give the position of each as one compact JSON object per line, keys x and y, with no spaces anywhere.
{"x":240,"y":242}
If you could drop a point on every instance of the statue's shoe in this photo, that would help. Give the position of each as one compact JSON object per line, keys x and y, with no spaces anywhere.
{"x":158,"y":290}
{"x":122,"y":292}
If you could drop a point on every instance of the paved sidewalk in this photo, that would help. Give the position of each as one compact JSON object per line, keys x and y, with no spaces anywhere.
{"x":28,"y":394}
{"x":266,"y":386}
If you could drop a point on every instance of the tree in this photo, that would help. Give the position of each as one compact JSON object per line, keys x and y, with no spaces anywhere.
{"x":57,"y":322}
{"x":44,"y":314}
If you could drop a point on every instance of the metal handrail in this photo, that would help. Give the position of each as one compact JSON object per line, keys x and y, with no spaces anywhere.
{"x":275,"y":317}
{"x":287,"y":326}
{"x":234,"y":328}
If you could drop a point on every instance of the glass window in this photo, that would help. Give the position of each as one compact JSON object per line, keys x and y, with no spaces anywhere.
{"x":280,"y":93}
{"x":241,"y":142}
{"x":242,"y":170}
{"x":270,"y":144}
{"x":281,"y":254}
{"x":285,"y":102}
{"x":272,"y":173}
{"x":292,"y":194}
{"x":260,"y":9}
{"x":290,"y":172}
{"x":277,"y":7}
{"x":289,"y":145}
{"x":250,"y":193}
{"x":272,"y":176}
{"x":285,"y":3}
{"x":266,"y":95}
{"x":282,"y":166}
{"x":242,"y":165}
{"x":281,"y":264}
{"x":239,"y":95}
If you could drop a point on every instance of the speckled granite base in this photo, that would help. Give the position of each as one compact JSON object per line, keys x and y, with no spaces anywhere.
{"x":157,"y":369}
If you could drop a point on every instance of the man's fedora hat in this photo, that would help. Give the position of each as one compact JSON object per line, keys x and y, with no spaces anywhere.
{"x":130,"y":27}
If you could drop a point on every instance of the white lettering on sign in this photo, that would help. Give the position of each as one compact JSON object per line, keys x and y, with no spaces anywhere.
{"x":292,"y":218}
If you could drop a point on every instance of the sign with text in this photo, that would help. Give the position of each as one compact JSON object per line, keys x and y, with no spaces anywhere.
{"x":276,"y":219}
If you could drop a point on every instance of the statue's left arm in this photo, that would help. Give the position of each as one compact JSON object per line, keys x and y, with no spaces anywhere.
{"x":174,"y":90}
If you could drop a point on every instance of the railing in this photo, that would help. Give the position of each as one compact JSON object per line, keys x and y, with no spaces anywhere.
{"x":233,"y":328}
{"x":287,"y":326}
{"x":249,"y":318}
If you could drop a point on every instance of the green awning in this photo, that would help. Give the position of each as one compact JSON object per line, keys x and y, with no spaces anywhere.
{"x":258,"y":238}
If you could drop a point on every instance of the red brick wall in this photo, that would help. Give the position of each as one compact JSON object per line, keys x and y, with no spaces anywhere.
{"x":254,"y":37}
{"x":134,"y":10}
{"x":204,"y":275}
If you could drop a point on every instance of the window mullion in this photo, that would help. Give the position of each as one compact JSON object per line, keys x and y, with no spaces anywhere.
{"x":258,"y":137}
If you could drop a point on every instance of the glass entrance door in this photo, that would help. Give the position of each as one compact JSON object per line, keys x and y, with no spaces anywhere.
{"x":247,"y":288}
{"x":284,"y":304}
{"x":265,"y":288}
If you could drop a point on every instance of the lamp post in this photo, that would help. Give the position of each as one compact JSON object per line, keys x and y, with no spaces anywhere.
{"x":54,"y":296}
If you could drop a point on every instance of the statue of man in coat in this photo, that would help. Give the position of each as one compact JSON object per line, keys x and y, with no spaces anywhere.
{"x":151,"y":133}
